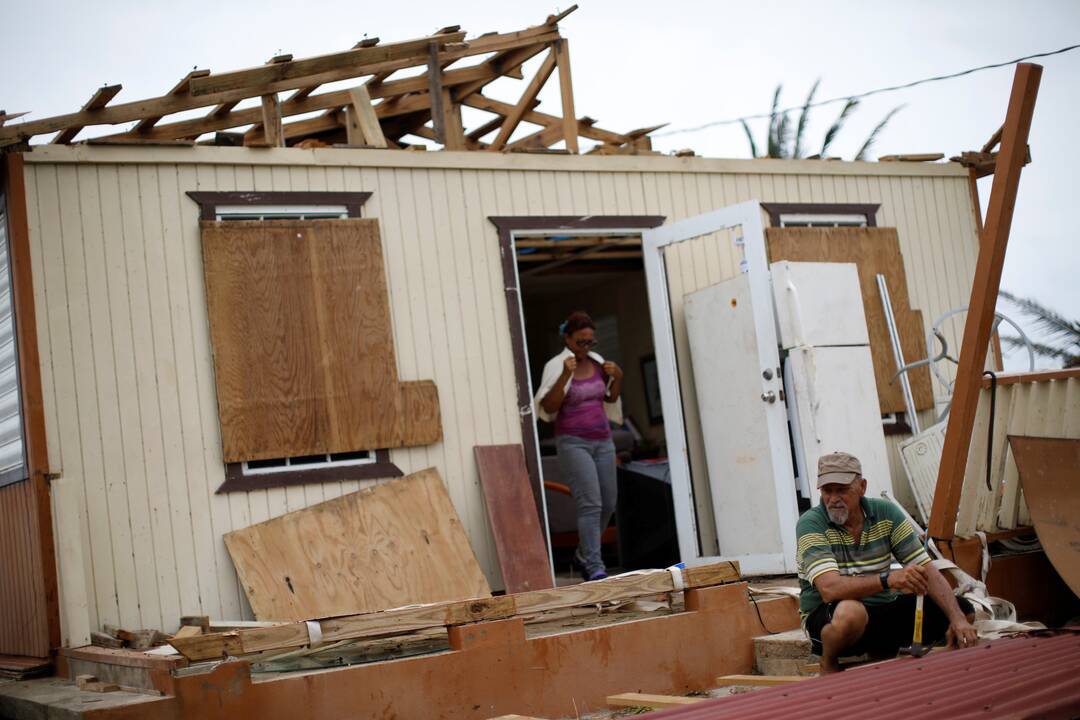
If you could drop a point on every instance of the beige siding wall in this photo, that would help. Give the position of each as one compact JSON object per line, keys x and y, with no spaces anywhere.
{"x":126,"y":366}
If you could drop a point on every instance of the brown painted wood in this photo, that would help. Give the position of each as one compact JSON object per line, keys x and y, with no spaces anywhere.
{"x":237,"y":481}
{"x":1049,"y":469}
{"x":30,"y":619}
{"x":867,"y":210}
{"x":519,"y":539}
{"x":984,"y":290}
{"x":394,"y":544}
{"x":208,"y":201}
{"x":873,"y":250}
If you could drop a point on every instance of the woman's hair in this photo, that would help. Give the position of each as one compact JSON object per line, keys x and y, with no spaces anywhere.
{"x":576,"y":321}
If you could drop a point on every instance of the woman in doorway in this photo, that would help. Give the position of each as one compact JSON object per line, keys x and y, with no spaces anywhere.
{"x":579,"y":392}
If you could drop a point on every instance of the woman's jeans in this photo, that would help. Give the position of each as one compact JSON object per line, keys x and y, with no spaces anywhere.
{"x":588,"y":467}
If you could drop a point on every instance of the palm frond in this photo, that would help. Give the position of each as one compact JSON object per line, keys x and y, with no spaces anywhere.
{"x":830,"y":134}
{"x":773,"y":149}
{"x":861,"y":155}
{"x":1052,"y":323}
{"x":783,"y":136}
{"x":804,"y":117}
{"x":750,"y":139}
{"x":1016,"y":343}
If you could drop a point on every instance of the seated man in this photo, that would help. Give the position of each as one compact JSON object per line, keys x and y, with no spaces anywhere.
{"x":850,"y":602}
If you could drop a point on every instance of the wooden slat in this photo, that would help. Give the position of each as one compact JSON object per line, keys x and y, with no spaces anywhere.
{"x":515,"y":524}
{"x":435,"y":92}
{"x":504,"y":64}
{"x":271,"y":117}
{"x":179,"y":89}
{"x":1032,"y":377}
{"x":286,"y":319}
{"x":362,"y":115}
{"x":656,"y":702}
{"x":984,"y":290}
{"x":98,"y":100}
{"x":873,"y":250}
{"x":256,"y":77}
{"x":483,"y":102}
{"x":759,"y":680}
{"x":410,"y":619}
{"x":5,"y":116}
{"x":398,"y":542}
{"x":566,"y":91}
{"x":523,"y":104}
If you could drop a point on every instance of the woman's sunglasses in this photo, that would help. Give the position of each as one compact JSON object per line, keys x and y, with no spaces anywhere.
{"x":585,"y":344}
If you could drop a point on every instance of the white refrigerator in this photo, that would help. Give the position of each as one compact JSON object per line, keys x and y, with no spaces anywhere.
{"x":829,"y":384}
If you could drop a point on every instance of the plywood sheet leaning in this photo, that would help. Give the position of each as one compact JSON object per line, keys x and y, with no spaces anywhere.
{"x":303,"y":345}
{"x":519,"y":541}
{"x":873,"y":250}
{"x":1049,"y":469}
{"x":394,"y":544}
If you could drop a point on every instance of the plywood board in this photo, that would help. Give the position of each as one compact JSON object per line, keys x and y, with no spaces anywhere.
{"x":394,"y":544}
{"x":303,"y":345}
{"x":519,"y":541}
{"x":873,"y":250}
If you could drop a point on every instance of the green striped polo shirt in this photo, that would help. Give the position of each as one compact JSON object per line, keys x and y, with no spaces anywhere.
{"x":825,"y":546}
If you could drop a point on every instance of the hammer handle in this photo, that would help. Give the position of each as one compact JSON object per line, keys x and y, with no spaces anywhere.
{"x":917,"y":638}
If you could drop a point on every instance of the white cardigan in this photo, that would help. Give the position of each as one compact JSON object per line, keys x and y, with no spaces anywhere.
{"x":552,"y":370}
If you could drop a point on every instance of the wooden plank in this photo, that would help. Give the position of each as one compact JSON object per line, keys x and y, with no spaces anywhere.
{"x":271,"y":119}
{"x":363,"y":115}
{"x":566,"y":91}
{"x":524,"y":102}
{"x":422,"y":424}
{"x":435,"y":93}
{"x":179,"y":89}
{"x":592,"y":132}
{"x":410,"y":619}
{"x":759,"y":680}
{"x":255,"y":78}
{"x":454,"y":130}
{"x":656,"y":702}
{"x":399,"y":542}
{"x":98,"y":100}
{"x":286,"y":319}
{"x":1033,"y":377}
{"x":980,"y":316}
{"x":873,"y":250}
{"x":519,"y":540}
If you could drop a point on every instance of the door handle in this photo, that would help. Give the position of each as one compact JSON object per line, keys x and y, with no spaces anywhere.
{"x":768,"y":396}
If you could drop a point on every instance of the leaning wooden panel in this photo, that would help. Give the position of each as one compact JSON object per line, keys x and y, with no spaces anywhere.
{"x":873,"y":250}
{"x":394,"y":544}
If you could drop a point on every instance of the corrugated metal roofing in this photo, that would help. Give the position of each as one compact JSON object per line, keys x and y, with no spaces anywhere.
{"x":1030,"y":677}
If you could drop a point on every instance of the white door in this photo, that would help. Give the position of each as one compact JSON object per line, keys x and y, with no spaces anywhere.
{"x":747,"y":448}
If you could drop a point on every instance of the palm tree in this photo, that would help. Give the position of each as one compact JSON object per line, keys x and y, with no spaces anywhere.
{"x":781,"y":142}
{"x":1062,"y":335}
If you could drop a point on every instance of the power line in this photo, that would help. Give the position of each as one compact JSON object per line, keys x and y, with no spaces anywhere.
{"x":868,"y":93}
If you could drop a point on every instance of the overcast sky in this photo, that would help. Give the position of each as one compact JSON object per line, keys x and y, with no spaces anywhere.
{"x":639,"y":63}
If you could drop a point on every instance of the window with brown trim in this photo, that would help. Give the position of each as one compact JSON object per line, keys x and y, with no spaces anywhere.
{"x":360,"y":464}
{"x":821,"y":214}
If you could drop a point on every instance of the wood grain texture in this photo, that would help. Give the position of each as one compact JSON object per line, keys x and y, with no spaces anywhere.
{"x":396,"y":543}
{"x":519,"y":540}
{"x":303,"y":345}
{"x":873,"y":250}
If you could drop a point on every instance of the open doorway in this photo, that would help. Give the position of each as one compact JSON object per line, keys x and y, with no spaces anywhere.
{"x":558,"y":266}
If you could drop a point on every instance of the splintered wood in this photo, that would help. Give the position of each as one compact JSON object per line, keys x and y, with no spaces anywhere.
{"x":873,"y":250}
{"x":396,"y":543}
{"x":303,"y":345}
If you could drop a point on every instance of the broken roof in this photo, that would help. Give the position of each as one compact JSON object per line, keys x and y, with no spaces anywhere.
{"x":378,"y":112}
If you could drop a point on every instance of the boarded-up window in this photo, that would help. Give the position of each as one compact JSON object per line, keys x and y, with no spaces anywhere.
{"x":303,"y":346}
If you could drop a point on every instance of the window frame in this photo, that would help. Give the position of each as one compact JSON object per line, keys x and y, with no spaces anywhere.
{"x":777,"y":211}
{"x":289,"y":204}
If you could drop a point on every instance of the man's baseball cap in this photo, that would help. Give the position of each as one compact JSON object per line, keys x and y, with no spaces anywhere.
{"x":838,"y":467}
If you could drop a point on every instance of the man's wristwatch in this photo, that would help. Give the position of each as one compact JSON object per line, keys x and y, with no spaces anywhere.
{"x":884,"y":578}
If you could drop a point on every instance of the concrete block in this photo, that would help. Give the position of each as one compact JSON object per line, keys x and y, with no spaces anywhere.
{"x":792,"y":644}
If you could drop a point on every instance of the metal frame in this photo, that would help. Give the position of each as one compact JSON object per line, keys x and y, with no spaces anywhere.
{"x":748,"y":217}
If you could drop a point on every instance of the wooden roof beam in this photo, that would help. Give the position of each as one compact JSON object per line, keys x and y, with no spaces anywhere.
{"x":180,"y":88}
{"x":592,"y":132}
{"x":561,"y":50}
{"x":256,"y":79}
{"x":5,"y":115}
{"x":524,"y":103}
{"x":167,"y":105}
{"x":98,"y":100}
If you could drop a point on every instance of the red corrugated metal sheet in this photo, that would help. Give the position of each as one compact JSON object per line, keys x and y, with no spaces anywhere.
{"x":24,"y":628}
{"x":1031,"y":677}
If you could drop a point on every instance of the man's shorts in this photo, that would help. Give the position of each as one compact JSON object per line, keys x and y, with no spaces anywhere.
{"x":890,"y":626}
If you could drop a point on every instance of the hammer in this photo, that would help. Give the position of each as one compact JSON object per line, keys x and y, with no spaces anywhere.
{"x":917,"y":649}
